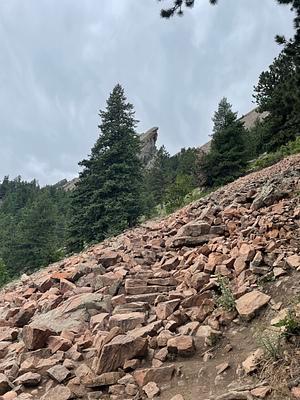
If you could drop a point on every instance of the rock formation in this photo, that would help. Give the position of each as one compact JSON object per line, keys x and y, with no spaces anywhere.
{"x":126,"y":318}
{"x":147,"y":156}
{"x":148,"y":146}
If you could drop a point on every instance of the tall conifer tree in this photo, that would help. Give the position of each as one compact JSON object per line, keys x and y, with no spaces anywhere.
{"x":107,"y":198}
{"x":227,"y":156}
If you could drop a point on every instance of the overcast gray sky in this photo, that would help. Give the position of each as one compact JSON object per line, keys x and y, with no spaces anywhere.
{"x":59,"y":60}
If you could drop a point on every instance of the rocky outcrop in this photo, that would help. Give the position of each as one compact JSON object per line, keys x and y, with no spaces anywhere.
{"x":113,"y":322}
{"x":147,"y":156}
{"x":148,"y":146}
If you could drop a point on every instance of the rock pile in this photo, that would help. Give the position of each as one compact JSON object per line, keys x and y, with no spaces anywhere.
{"x":110,"y":323}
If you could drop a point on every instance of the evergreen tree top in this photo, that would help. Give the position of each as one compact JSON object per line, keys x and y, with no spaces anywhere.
{"x":224,"y":116}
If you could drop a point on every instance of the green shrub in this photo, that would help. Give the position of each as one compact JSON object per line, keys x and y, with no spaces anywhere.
{"x":269,"y":159}
{"x":226,"y":299}
{"x":270,"y":342}
{"x":290,"y":324}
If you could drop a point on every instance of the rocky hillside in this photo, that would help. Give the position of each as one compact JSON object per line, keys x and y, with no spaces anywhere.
{"x":167,"y":310}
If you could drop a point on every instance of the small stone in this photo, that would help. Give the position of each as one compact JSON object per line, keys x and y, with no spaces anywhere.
{"x":151,"y":390}
{"x":59,"y":373}
{"x":261,"y":392}
{"x":181,"y":345}
{"x":293,"y":261}
{"x":222,"y":367}
{"x":251,"y":363}
{"x":296,"y":392}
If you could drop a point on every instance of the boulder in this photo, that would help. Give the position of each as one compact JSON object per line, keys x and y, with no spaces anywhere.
{"x":35,"y":338}
{"x":58,"y":392}
{"x":157,"y":375}
{"x":29,"y":379}
{"x":181,"y":345}
{"x":127,"y":321}
{"x":165,"y":309}
{"x":250,"y":303}
{"x":119,"y":350}
{"x":59,"y":373}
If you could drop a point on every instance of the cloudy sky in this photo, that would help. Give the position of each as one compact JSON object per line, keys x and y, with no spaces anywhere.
{"x":59,"y":60}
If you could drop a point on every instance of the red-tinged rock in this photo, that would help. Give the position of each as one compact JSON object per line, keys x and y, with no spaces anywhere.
{"x":196,"y":300}
{"x":35,"y":338}
{"x":240,"y":265}
{"x":58,"y":343}
{"x":100,"y":321}
{"x":262,"y":392}
{"x":29,"y":379}
{"x":120,"y":349}
{"x":8,"y":334}
{"x":170,"y":264}
{"x":250,"y":303}
{"x":163,"y":337}
{"x":58,"y":392}
{"x":189,"y":329}
{"x":209,"y":335}
{"x":251,"y":363}
{"x":200,"y":313}
{"x":106,"y":379}
{"x":66,"y":286}
{"x":127,"y":321}
{"x":25,"y":314}
{"x":131,"y":365}
{"x":118,"y":300}
{"x":222,"y":367}
{"x":182,"y":345}
{"x":157,"y":375}
{"x":151,"y":390}
{"x":293,"y":261}
{"x":247,"y":251}
{"x":10,"y":395}
{"x":199,"y":280}
{"x":109,"y":258}
{"x":44,"y":284}
{"x":161,"y":354}
{"x":223,"y":270}
{"x":214,"y":259}
{"x":165,"y":309}
{"x":296,"y":392}
{"x":59,"y":373}
{"x":148,"y":330}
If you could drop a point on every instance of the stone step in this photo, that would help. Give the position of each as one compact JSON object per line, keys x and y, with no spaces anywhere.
{"x":138,"y":306}
{"x":141,"y":275}
{"x":150,"y":282}
{"x":148,"y":289}
{"x":146,"y":297}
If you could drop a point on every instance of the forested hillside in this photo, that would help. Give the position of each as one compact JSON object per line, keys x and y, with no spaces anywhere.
{"x":33,"y":226}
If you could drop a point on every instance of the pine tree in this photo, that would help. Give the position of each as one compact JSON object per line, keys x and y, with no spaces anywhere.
{"x":107,"y":198}
{"x":158,"y":176}
{"x":279,"y":95}
{"x":227,"y":156}
{"x":177,"y":7}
